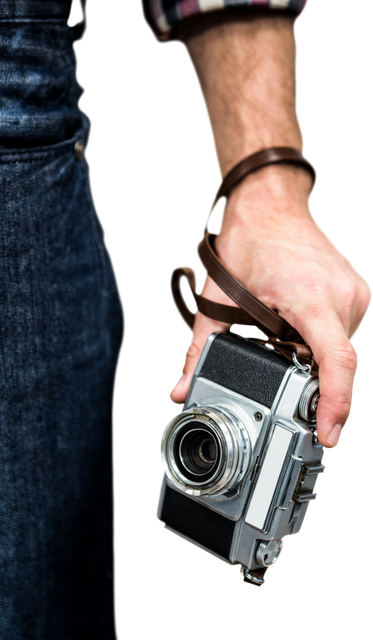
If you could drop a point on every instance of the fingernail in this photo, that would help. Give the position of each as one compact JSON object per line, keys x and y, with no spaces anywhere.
{"x":180,"y":384}
{"x":333,"y":436}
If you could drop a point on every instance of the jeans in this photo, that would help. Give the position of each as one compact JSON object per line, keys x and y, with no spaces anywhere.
{"x":60,"y":334}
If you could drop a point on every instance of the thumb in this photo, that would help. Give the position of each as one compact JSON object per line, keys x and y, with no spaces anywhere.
{"x":202,"y":328}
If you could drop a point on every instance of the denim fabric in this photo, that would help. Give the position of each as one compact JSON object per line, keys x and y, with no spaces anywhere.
{"x":60,"y":333}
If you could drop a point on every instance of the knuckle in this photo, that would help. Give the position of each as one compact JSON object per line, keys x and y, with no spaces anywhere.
{"x":348,"y":357}
{"x":193,"y":352}
{"x":344,"y":355}
{"x":367,"y":291}
{"x":355,"y":296}
{"x":363,"y":291}
{"x":343,"y":405}
{"x":364,"y":295}
{"x":348,"y":290}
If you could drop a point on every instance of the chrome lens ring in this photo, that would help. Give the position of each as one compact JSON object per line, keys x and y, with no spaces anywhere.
{"x":182,"y":465}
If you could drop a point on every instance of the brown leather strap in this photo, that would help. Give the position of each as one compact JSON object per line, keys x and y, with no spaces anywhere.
{"x":249,"y":309}
{"x":302,"y":351}
{"x":267,"y":320}
{"x":214,"y":310}
{"x":224,"y":313}
{"x":253,"y":163}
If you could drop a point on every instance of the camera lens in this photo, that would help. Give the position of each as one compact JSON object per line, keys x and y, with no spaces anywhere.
{"x":197,"y":451}
{"x":206,"y":450}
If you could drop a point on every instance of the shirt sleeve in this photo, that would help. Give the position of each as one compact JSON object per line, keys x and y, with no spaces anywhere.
{"x":164,"y":15}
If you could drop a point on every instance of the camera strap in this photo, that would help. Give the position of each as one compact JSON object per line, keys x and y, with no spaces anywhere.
{"x":249,"y":310}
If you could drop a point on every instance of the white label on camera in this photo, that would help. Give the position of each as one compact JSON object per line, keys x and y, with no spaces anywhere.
{"x":268,"y":477}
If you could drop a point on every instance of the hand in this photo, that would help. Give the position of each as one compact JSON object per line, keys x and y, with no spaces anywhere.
{"x":270,"y":243}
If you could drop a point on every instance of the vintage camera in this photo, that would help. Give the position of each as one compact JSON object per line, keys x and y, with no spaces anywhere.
{"x":242,"y":458}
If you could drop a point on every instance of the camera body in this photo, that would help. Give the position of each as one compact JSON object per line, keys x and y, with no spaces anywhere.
{"x":242,"y":458}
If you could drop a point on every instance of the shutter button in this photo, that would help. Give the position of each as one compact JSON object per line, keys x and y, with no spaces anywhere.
{"x":79,"y":150}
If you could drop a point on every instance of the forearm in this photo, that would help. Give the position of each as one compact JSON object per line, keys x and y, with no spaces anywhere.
{"x":268,"y":240}
{"x":247,"y":74}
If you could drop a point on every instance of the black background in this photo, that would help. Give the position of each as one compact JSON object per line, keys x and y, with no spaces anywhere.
{"x":154,"y":175}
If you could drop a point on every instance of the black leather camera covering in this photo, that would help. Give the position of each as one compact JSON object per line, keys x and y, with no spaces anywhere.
{"x":208,"y":528}
{"x":246,"y":367}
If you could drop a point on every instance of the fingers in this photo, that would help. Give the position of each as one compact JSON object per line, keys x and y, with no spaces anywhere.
{"x":202,"y":328}
{"x":339,"y":363}
{"x":338,"y":360}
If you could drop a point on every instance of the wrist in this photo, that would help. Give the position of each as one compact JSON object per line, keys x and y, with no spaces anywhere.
{"x":270,"y":197}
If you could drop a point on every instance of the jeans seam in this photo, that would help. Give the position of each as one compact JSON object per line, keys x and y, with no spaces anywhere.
{"x":67,"y":64}
{"x":93,"y":218}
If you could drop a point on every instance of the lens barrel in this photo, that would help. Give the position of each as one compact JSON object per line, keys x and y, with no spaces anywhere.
{"x":206,"y":451}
